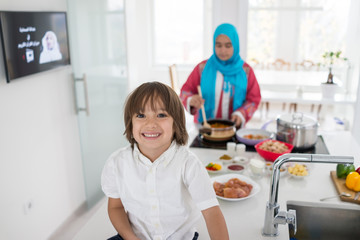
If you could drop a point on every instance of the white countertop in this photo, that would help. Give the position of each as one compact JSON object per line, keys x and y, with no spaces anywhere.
{"x":245,"y":219}
{"x":306,"y":97}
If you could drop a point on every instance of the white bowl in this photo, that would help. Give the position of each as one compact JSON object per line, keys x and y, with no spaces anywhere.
{"x":240,"y":160}
{"x":226,"y":160}
{"x":235,"y":168}
{"x":298,"y":176}
{"x":222,"y":170}
{"x":269,"y":168}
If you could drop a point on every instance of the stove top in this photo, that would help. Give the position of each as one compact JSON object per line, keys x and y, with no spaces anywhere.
{"x":200,"y":142}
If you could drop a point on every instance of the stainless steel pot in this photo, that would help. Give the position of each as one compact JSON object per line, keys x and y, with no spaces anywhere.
{"x":297,"y":129}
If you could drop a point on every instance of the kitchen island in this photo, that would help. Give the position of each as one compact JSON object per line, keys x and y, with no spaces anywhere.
{"x":245,"y":219}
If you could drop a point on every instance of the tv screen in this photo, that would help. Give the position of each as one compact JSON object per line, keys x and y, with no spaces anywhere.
{"x":33,"y":42}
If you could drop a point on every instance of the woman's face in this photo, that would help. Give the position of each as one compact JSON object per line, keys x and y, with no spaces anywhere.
{"x":223,"y":47}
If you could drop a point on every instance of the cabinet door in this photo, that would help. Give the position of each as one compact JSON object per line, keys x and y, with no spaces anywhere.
{"x":98,"y":55}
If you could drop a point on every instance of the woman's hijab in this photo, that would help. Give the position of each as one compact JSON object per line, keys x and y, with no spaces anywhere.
{"x":231,"y":69}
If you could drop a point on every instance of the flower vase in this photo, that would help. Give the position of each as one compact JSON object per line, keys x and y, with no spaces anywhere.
{"x":330,"y":79}
{"x":328,"y":90}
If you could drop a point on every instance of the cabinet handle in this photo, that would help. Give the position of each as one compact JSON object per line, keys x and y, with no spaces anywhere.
{"x":86,"y":108}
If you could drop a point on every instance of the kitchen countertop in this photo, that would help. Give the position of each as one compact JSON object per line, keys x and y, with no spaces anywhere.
{"x":245,"y":219}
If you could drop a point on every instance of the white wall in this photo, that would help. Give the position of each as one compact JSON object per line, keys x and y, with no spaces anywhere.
{"x":39,"y":146}
{"x":236,"y":13}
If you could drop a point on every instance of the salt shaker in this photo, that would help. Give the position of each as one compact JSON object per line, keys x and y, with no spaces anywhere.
{"x":240,"y":149}
{"x":231,"y":148}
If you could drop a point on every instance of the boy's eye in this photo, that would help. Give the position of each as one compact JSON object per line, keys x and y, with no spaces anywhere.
{"x":140,"y":115}
{"x":162,"y":115}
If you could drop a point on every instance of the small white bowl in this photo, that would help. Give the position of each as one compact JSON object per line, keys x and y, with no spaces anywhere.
{"x":236,"y":168}
{"x":241,"y":160}
{"x":216,"y":171}
{"x":269,"y":169}
{"x":298,"y":176}
{"x":225,"y":159}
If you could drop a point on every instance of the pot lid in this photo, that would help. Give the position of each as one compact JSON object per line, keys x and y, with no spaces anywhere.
{"x":297,"y":120}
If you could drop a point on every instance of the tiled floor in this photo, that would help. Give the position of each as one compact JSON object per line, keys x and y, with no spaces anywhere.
{"x":95,"y":224}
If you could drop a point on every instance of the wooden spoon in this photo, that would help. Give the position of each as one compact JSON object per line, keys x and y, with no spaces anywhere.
{"x":205,"y":124}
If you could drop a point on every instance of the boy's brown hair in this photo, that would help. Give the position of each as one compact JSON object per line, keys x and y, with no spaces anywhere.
{"x":151,"y":92}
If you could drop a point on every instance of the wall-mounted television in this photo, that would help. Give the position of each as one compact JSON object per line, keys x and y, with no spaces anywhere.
{"x":33,"y":42}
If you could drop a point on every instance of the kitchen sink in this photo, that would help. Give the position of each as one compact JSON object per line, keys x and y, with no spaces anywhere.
{"x":317,"y":220}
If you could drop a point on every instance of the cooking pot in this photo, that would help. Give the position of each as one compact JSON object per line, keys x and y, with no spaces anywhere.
{"x":221,"y":130}
{"x":297,"y":129}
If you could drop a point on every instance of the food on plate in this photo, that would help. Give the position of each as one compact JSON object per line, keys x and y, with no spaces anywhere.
{"x":234,"y":188}
{"x":298,"y":170}
{"x":274,"y":146}
{"x":353,"y":181}
{"x":225,"y":157}
{"x":255,"y":136}
{"x":358,"y":170}
{"x":213,"y":167}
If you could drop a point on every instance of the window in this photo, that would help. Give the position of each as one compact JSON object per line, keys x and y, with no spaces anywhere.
{"x":114,"y":23}
{"x":178,"y":31}
{"x":296,"y":30}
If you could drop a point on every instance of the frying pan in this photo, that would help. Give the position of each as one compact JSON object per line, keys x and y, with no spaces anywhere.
{"x":251,"y":142}
{"x":218,"y":134}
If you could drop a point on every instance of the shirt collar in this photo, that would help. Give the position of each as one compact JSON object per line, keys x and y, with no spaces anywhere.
{"x":164,"y":158}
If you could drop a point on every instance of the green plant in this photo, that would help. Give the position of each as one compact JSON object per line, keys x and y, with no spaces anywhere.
{"x":330,"y":58}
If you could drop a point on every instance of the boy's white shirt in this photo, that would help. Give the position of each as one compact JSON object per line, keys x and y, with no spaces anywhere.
{"x":163,"y":198}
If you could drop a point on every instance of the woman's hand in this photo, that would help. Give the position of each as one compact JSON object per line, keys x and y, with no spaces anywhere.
{"x":237,"y":120}
{"x":196,"y":101}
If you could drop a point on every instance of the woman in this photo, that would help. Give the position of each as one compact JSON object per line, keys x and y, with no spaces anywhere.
{"x":228,"y":84}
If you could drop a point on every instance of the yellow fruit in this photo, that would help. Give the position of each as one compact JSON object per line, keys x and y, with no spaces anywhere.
{"x":217,"y":166}
{"x":353,"y":181}
{"x":357,"y":186}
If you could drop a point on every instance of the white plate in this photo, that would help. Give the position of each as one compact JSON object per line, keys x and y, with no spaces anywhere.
{"x":226,"y":177}
{"x":251,"y":142}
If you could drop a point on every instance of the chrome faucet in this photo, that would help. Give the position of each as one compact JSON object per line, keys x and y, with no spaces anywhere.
{"x":273,"y":216}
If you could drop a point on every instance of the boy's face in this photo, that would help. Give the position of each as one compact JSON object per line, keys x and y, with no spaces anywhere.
{"x":153,"y":130}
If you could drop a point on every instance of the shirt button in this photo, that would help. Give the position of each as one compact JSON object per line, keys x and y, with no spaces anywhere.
{"x":154,"y":207}
{"x":157,"y":238}
{"x":151,"y":191}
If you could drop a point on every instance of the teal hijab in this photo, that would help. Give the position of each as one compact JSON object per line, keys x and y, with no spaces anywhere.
{"x":231,"y":69}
